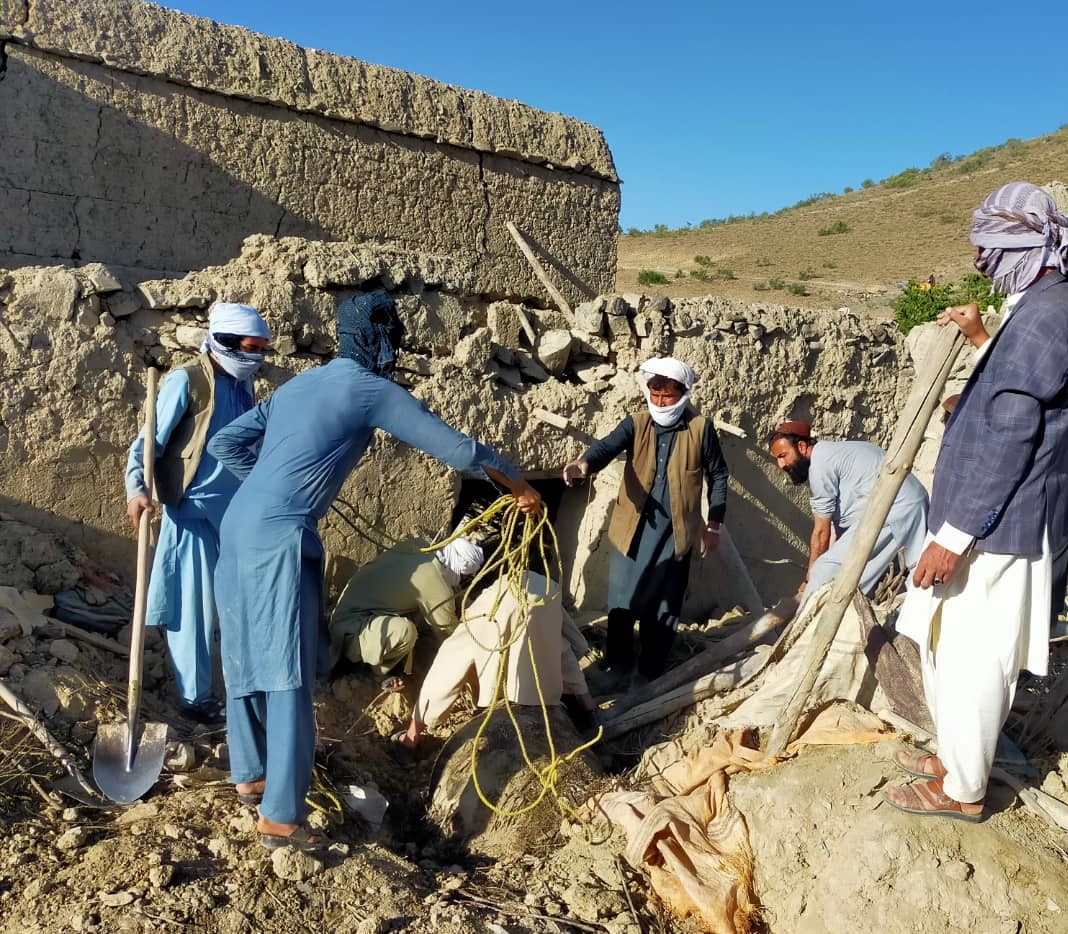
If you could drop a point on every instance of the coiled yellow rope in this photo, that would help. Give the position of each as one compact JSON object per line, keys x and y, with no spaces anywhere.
{"x":510,"y":562}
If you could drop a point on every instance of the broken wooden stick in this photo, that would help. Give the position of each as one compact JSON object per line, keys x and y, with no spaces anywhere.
{"x":26,"y":717}
{"x":900,"y":454}
{"x":729,"y":429}
{"x":715,"y":655}
{"x":539,"y":271}
{"x":67,"y":630}
{"x":738,"y":574}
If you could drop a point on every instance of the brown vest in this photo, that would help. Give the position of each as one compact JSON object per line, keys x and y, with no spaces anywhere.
{"x":178,"y":464}
{"x":685,"y":479}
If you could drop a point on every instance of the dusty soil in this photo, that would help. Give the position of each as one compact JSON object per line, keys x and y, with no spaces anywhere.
{"x":829,"y":854}
{"x":894,"y":235}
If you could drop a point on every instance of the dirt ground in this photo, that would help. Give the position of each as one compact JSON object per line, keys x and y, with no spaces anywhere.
{"x":829,"y":855}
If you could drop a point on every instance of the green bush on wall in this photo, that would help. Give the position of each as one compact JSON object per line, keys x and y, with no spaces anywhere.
{"x":920,"y":303}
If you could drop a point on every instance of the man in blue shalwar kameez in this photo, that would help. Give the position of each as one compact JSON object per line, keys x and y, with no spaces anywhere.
{"x":310,"y":436}
{"x":194,"y":402}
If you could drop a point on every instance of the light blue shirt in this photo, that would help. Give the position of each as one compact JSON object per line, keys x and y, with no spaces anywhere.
{"x":841,"y":476}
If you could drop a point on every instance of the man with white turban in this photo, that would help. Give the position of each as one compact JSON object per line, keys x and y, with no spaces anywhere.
{"x":373,"y":621}
{"x":656,"y":522}
{"x":979,"y":607}
{"x":194,"y":402}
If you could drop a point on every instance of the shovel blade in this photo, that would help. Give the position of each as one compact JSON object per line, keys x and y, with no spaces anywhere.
{"x":115,"y":775}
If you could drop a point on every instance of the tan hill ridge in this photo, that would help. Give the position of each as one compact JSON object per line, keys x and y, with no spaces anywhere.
{"x":849,"y":249}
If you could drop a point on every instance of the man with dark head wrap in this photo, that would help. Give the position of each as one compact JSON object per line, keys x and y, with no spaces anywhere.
{"x":979,"y":607}
{"x":293,"y":453}
{"x":195,"y":401}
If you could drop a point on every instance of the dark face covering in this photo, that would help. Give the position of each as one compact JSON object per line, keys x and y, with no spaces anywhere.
{"x":370,"y":332}
{"x":798,"y":470}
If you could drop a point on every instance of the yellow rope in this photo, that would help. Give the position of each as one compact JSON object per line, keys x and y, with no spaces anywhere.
{"x":510,"y":562}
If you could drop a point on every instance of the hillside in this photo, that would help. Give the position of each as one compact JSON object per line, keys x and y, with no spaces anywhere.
{"x":909,"y":226}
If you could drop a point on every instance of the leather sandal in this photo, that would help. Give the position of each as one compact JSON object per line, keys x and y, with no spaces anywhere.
{"x":927,"y":799}
{"x":301,"y":838}
{"x":251,"y":797}
{"x":919,"y":764}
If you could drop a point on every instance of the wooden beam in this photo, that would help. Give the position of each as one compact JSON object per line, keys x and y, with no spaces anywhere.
{"x":540,"y":272}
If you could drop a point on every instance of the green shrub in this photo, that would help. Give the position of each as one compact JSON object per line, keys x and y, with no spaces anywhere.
{"x":776,"y":283}
{"x":905,"y":179}
{"x":828,"y":264}
{"x":702,"y":275}
{"x":812,"y":199}
{"x":680,"y":273}
{"x":807,"y":273}
{"x":847,"y":190}
{"x":797,"y":288}
{"x":920,"y":302}
{"x":763,"y":261}
{"x":661,"y":230}
{"x":723,"y":273}
{"x":633,"y":232}
{"x":975,"y":161}
{"x":651,"y":277}
{"x":704,"y":261}
{"x":761,"y":286}
{"x":867,"y":183}
{"x":838,"y":227}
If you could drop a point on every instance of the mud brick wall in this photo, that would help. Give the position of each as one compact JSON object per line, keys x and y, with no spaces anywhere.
{"x":145,"y":138}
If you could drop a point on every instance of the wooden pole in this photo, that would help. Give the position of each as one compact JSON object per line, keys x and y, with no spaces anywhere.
{"x":738,"y":574}
{"x":901,"y":453}
{"x":539,"y":271}
{"x":715,"y":655}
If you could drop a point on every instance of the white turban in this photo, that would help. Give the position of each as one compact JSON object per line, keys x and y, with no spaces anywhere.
{"x":232,"y":318}
{"x":671,"y":368}
{"x":460,"y":556}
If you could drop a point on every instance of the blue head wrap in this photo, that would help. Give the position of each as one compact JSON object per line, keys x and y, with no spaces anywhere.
{"x":370,"y":332}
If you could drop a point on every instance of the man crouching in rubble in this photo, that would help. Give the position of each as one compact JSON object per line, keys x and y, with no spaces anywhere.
{"x":840,"y":475}
{"x":980,"y":605}
{"x":544,"y":646}
{"x":656,"y":521}
{"x":372,"y":622}
{"x":194,"y":402}
{"x":294,"y":453}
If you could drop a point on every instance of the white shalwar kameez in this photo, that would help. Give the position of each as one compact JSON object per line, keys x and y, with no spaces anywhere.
{"x":975,"y":634}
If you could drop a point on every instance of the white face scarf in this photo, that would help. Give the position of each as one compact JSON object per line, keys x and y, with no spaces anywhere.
{"x":234,"y":318}
{"x":671,"y":368}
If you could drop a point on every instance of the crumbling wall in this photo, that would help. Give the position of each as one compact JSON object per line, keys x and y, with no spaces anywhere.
{"x":74,"y":343}
{"x":145,"y":138}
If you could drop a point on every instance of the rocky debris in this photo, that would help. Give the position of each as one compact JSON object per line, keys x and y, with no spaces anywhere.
{"x":72,"y":838}
{"x":554,"y":350}
{"x":64,"y":650}
{"x":294,"y":865}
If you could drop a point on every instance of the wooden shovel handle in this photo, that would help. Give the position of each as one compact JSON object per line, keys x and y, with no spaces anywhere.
{"x":144,"y":557}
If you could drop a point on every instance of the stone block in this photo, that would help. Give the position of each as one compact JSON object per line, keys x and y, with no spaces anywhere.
{"x":589,"y":319}
{"x":620,"y":333}
{"x":554,"y":350}
{"x":97,"y":279}
{"x":617,"y":306}
{"x":503,"y":322}
{"x":587,"y":345}
{"x":530,"y":368}
{"x":592,"y":371}
{"x":123,"y":304}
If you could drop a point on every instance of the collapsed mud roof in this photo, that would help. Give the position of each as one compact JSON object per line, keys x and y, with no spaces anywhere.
{"x":136,"y":135}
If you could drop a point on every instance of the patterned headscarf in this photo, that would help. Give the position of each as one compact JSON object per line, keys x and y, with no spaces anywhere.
{"x":1019,"y":232}
{"x":370,"y":332}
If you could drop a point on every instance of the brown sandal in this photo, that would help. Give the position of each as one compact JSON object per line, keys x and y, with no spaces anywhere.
{"x":300,"y":839}
{"x":919,"y":764}
{"x":927,"y":799}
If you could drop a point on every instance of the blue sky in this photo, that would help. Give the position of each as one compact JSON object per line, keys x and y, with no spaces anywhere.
{"x":713,"y":109}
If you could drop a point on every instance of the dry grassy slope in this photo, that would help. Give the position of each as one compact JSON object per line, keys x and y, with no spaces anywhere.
{"x":894,"y":235}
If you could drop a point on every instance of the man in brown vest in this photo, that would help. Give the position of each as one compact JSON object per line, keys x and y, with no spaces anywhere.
{"x":656,"y":522}
{"x":195,"y":401}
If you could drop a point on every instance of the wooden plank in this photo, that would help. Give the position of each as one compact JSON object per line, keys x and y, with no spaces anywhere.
{"x":539,"y":271}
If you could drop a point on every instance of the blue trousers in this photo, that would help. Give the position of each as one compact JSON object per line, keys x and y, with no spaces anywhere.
{"x":181,"y":599}
{"x":272,"y":733}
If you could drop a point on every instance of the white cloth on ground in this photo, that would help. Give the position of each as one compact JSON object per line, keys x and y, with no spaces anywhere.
{"x":975,"y":634}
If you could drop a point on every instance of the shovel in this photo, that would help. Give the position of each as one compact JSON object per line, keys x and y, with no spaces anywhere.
{"x":128,"y":757}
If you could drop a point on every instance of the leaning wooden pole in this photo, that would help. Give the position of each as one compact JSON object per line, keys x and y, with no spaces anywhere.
{"x":900,"y":454}
{"x":539,"y":271}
